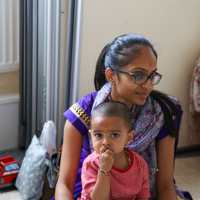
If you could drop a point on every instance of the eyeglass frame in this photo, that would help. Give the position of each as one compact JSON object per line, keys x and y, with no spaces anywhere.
{"x":134,"y":75}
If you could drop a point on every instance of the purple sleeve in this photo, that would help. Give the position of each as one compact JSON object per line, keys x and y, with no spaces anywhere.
{"x":164,"y":132}
{"x":86,"y":104}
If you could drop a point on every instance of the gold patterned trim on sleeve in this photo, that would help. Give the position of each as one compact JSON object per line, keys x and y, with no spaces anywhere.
{"x":81,"y":114}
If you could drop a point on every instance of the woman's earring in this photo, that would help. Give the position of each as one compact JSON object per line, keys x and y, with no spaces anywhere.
{"x":111,"y":78}
{"x":112,"y":82}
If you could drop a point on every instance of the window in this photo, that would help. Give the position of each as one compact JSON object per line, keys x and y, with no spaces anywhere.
{"x":11,"y":167}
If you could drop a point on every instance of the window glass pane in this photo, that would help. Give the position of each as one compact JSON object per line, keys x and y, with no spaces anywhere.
{"x":12,"y":167}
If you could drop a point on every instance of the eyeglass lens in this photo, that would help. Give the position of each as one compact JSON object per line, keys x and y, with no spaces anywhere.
{"x":141,"y":79}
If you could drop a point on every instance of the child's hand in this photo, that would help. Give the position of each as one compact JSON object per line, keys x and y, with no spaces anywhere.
{"x":105,"y":159}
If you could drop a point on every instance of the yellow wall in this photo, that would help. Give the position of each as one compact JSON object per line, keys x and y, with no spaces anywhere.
{"x":63,"y":39}
{"x":173,"y":28}
{"x":9,"y":81}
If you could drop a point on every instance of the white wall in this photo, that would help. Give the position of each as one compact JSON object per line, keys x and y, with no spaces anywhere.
{"x":9,"y":35}
{"x":9,"y":120}
{"x":9,"y":74}
{"x":172,"y":26}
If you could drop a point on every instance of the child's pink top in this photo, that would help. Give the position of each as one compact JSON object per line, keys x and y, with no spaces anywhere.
{"x":126,"y":184}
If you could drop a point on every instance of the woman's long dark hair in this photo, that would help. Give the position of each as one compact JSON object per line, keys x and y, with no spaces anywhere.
{"x":170,"y":111}
{"x":121,"y":52}
{"x":99,"y":76}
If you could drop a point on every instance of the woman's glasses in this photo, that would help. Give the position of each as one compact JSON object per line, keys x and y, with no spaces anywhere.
{"x":141,"y":79}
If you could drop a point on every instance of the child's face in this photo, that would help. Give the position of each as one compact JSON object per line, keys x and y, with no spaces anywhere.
{"x":111,"y":133}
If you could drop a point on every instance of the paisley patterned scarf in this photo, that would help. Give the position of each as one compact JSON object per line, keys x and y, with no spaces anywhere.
{"x":147,"y":120}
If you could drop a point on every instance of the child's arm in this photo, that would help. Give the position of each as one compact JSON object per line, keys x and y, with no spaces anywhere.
{"x":101,"y":189}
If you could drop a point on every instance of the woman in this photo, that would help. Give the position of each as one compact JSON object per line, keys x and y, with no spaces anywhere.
{"x":126,"y":71}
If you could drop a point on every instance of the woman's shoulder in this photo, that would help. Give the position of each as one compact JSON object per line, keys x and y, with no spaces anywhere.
{"x":87,"y":100}
{"x":85,"y":103}
{"x":168,"y":100}
{"x":79,"y":113}
{"x":177,"y":104}
{"x":174,"y":100}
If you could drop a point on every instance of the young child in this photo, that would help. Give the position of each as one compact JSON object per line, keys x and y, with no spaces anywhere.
{"x":113,"y":171}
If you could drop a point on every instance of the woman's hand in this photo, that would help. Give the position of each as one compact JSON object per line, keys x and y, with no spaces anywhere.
{"x":105,"y":159}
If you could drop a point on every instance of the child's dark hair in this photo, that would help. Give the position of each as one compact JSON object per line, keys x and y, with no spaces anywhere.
{"x":121,"y":52}
{"x":114,"y":109}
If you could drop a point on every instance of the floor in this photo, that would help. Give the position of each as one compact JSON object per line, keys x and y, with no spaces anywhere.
{"x":187,"y":173}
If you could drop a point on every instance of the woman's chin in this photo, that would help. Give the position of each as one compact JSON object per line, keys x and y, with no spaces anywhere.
{"x":140,"y":102}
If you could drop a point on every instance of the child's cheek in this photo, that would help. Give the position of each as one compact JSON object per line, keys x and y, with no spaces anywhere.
{"x":97,"y":146}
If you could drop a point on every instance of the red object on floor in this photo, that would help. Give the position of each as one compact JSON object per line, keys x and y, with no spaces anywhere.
{"x":9,"y":169}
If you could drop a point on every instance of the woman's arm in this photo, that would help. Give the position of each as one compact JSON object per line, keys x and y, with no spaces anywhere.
{"x":165,"y":164}
{"x":71,"y":152}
